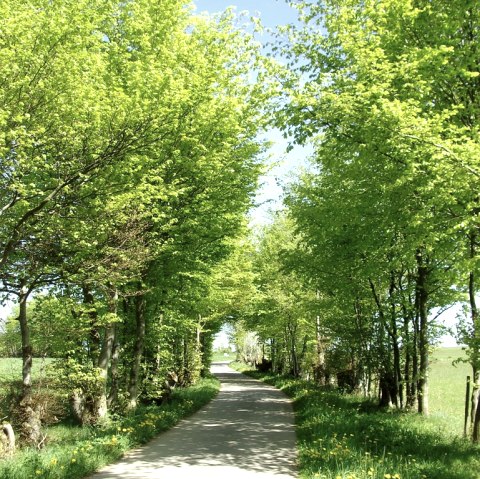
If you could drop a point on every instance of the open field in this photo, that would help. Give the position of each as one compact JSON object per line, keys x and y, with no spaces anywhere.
{"x":11,"y":368}
{"x":223,"y":356}
{"x":447,"y":387}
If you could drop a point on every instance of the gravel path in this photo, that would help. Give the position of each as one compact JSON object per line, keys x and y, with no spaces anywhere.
{"x":246,"y":432}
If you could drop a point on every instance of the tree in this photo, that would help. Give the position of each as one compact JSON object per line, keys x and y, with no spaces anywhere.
{"x":380,"y":102}
{"x":130,"y":156}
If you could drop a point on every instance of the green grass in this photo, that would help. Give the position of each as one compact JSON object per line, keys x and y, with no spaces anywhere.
{"x":447,"y":387}
{"x":11,"y":380}
{"x":221,"y":356}
{"x":346,"y":437}
{"x":11,"y":368}
{"x":75,"y":452}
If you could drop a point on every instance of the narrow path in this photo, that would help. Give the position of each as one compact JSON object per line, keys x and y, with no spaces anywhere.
{"x":246,"y":432}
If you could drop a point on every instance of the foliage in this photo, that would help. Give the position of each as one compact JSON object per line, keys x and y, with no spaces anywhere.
{"x":77,"y":452}
{"x":383,"y":93}
{"x":130,"y":158}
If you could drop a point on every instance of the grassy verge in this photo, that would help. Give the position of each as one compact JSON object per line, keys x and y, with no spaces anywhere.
{"x":74,"y":452}
{"x":344,"y":437}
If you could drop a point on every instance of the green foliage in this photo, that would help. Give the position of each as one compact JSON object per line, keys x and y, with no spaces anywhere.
{"x":76,"y":452}
{"x":131,"y":155}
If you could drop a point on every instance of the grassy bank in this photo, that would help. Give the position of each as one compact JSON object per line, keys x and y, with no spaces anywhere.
{"x":344,"y":437}
{"x":74,"y":452}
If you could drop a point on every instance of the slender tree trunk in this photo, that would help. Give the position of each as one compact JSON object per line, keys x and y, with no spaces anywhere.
{"x":423,"y":343}
{"x":319,"y":368}
{"x":100,"y":401}
{"x":114,"y":369}
{"x":385,"y":380}
{"x":293,"y":350}
{"x":273,"y":346}
{"x":134,"y":383}
{"x":29,"y":412}
{"x":410,"y":398}
{"x":415,"y":361}
{"x":94,"y":345}
{"x":397,"y":368}
{"x":474,"y":348}
{"x":27,"y":351}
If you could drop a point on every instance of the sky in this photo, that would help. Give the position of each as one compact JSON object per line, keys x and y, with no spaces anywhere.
{"x":272,"y":12}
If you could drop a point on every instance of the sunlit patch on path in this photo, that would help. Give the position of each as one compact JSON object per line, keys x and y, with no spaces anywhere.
{"x":247,"y":431}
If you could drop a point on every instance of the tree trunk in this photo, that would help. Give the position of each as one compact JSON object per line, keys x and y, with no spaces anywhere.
{"x":385,"y":390}
{"x":94,"y":345}
{"x":273,"y":349}
{"x":29,"y":413}
{"x":27,"y":352}
{"x":410,"y":397}
{"x":8,"y":439}
{"x":100,"y":401}
{"x":397,"y":368}
{"x":474,"y":347}
{"x":114,"y":369}
{"x":135,"y":376}
{"x":320,"y":369}
{"x":387,"y":396}
{"x":291,"y":332}
{"x":423,"y":343}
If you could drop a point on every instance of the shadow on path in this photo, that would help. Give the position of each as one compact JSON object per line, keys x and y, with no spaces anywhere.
{"x":247,"y":431}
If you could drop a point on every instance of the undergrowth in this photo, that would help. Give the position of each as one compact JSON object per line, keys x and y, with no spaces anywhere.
{"x":75,"y":452}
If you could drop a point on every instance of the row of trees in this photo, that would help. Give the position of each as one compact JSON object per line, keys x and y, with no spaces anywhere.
{"x":382,"y":233}
{"x":128,"y":157}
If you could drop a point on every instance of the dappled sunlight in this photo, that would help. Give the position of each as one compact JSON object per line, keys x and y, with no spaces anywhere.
{"x":247,"y":431}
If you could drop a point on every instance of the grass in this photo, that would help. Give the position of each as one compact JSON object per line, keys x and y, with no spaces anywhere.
{"x":447,"y":387}
{"x":11,"y":370}
{"x":223,"y":356}
{"x":346,"y":437}
{"x":75,"y":452}
{"x":11,"y":379}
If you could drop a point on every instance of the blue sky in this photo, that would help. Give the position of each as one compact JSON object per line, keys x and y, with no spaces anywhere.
{"x":272,"y":12}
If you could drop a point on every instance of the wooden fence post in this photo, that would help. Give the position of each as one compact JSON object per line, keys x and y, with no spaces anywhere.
{"x":467,"y":402}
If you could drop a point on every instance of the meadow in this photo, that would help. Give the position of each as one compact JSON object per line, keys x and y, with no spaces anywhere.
{"x":345,"y":437}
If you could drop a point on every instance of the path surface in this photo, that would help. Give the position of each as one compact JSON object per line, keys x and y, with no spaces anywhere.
{"x":246,"y":432}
